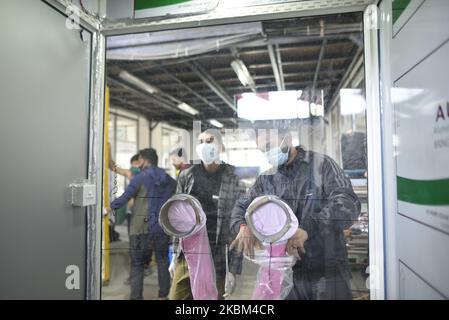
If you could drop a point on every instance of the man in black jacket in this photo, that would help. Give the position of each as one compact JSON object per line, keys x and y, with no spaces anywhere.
{"x":217,"y":187}
{"x":322,"y":198}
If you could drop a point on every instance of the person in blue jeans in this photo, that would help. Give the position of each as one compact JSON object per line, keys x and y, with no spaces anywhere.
{"x":150,"y":188}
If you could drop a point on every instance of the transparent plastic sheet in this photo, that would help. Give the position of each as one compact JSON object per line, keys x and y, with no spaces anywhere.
{"x":269,"y":216}
{"x":275,"y":275}
{"x":183,"y":217}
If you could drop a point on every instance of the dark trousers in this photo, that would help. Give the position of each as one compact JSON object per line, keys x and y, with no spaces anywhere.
{"x":140,"y":249}
{"x":333,"y":284}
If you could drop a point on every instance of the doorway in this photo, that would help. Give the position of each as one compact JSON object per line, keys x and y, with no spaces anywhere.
{"x":305,"y":73}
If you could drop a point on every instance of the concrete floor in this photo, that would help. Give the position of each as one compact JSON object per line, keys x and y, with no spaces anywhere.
{"x":117,"y":289}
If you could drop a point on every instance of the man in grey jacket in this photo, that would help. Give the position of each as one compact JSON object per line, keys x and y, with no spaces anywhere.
{"x":322,"y":198}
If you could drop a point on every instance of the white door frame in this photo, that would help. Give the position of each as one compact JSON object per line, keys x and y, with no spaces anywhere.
{"x":374,"y":146}
{"x":389,"y":153}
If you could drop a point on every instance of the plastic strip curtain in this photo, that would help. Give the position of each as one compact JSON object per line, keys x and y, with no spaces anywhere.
{"x":182,"y":217}
{"x":273,"y":223}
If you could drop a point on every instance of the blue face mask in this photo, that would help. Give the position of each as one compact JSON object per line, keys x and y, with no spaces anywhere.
{"x":276,"y":157}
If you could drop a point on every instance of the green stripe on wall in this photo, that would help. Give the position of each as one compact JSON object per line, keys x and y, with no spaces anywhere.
{"x":425,"y":192}
{"x":399,"y":7}
{"x":149,"y":4}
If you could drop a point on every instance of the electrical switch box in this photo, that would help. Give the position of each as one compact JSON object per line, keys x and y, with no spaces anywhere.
{"x":83,"y":194}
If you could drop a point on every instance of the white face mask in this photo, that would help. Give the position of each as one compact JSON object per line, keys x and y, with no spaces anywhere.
{"x":208,"y":152}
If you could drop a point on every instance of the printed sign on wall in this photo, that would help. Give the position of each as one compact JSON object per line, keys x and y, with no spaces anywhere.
{"x":422,"y":142}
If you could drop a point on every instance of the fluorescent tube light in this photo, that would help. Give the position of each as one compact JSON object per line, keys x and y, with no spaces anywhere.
{"x":186,"y":108}
{"x":133,"y":80}
{"x":216,"y":123}
{"x":243,"y":74}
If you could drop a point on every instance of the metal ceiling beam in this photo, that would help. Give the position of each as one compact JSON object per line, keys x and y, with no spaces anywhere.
{"x":157,"y":95}
{"x":274,"y":66}
{"x":152,"y":98}
{"x":281,"y":71}
{"x":136,"y":69}
{"x":292,"y":40}
{"x":211,"y":83}
{"x":256,"y":77}
{"x":161,"y":97}
{"x":290,"y":43}
{"x":345,"y":40}
{"x":353,"y":68}
{"x":263,"y":79}
{"x":123,"y":103}
{"x":297,"y":74}
{"x":274,"y":59}
{"x":297,"y":63}
{"x":297,"y":85}
{"x":357,"y":39}
{"x":318,"y":65}
{"x":298,"y":43}
{"x":190,"y":90}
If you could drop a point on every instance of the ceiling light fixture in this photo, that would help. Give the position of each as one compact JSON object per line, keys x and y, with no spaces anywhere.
{"x":133,"y":80}
{"x":216,"y":123}
{"x":243,"y":74}
{"x":186,"y":108}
